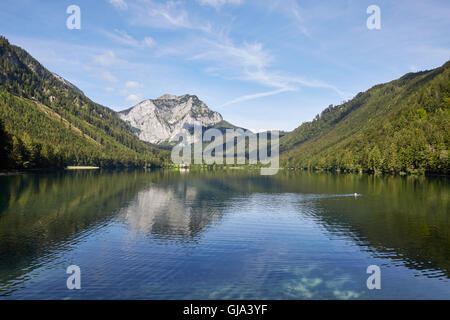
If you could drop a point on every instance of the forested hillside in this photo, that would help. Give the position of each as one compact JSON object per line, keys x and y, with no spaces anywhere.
{"x":48,"y":122}
{"x":401,"y":127}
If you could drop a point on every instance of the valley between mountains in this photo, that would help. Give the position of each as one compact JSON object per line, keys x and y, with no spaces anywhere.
{"x":46,"y":122}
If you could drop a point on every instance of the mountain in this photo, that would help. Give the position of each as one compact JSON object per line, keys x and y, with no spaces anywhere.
{"x":45,"y":121}
{"x":401,"y":127}
{"x":67,"y":83}
{"x":159,"y":120}
{"x":48,"y":122}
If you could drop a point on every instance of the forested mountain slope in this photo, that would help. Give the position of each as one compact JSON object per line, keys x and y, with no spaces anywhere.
{"x":400,"y":126}
{"x":48,"y":122}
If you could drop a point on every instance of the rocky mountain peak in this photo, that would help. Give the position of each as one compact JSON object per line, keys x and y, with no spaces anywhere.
{"x":168,"y":97}
{"x":160,"y":120}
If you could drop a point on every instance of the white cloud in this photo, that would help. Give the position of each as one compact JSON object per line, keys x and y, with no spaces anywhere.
{"x":218,"y":3}
{"x":298,"y":17}
{"x":109,"y":89}
{"x":232,"y":58}
{"x":133,"y":84}
{"x":135,"y":99}
{"x":251,"y":62}
{"x":291,"y":9}
{"x":119,"y":4}
{"x":108,"y":77}
{"x":169,"y":15}
{"x":124,"y":38}
{"x":106,"y":59}
{"x":255,"y":96}
{"x":148,"y":42}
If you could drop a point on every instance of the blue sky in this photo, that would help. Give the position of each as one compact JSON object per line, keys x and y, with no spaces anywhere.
{"x":262,"y":64}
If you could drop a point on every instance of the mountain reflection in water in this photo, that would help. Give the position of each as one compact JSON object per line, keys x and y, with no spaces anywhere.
{"x":223,"y":235}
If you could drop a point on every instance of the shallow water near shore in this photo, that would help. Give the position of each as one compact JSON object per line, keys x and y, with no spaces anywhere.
{"x":223,"y":235}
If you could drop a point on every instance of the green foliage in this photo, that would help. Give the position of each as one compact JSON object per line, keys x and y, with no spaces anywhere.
{"x":398,"y":127}
{"x":51,"y":123}
{"x":5,"y":146}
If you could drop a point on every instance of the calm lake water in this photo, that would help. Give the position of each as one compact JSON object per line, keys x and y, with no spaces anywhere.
{"x":223,"y":235}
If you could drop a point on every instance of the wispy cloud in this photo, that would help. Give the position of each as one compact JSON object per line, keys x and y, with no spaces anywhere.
{"x":168,"y":15}
{"x":249,"y":56}
{"x":219,"y":3}
{"x":133,"y":98}
{"x":255,"y":96}
{"x":119,"y":4}
{"x":247,"y":62}
{"x":251,"y":62}
{"x":132,"y":84}
{"x":124,"y":38}
{"x":106,"y":75}
{"x":291,"y":9}
{"x":148,"y":42}
{"x":106,"y":59}
{"x":297,"y":14}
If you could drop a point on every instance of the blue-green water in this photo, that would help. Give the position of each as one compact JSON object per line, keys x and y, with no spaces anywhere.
{"x":223,"y":235}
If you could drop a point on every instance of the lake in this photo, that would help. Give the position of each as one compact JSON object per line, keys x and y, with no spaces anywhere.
{"x":223,"y":235}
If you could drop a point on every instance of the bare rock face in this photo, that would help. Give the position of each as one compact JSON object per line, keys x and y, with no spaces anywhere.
{"x":158,"y":121}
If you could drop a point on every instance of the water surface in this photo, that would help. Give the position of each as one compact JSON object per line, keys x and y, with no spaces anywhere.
{"x":223,"y":235}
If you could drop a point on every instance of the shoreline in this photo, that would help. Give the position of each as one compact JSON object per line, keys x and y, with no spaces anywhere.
{"x":196,"y":168}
